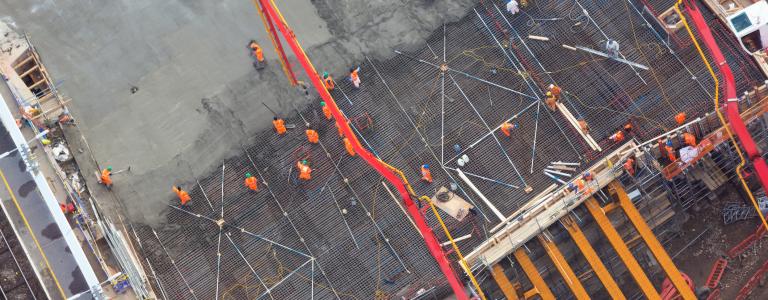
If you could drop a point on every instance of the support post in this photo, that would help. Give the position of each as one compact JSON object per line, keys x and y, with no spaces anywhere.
{"x":501,"y":279}
{"x":592,"y":258}
{"x":621,"y":249}
{"x":653,"y":244}
{"x":562,"y":266}
{"x":533,"y":275}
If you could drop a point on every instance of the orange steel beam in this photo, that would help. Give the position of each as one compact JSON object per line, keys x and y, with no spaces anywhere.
{"x":592,"y":258}
{"x":621,"y":249}
{"x":653,"y":244}
{"x":501,"y":279}
{"x":533,"y":275}
{"x":562,"y":266}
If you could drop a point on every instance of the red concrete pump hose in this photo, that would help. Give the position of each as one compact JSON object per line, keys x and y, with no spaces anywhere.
{"x":433,"y":245}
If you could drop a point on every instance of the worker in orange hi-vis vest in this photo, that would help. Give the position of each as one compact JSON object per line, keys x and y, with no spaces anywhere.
{"x":583,"y":125}
{"x":257,"y":53}
{"x":251,"y":182}
{"x":670,"y":151}
{"x":617,"y":137}
{"x":629,"y":166}
{"x":348,"y":146}
{"x":506,"y":127}
{"x":279,"y":125}
{"x":555,"y":91}
{"x":312,"y":136}
{"x":680,"y":118}
{"x":326,"y":110}
{"x":689,"y":139}
{"x":426,"y":175}
{"x":551,"y":101}
{"x":341,"y":133}
{"x":305,"y":172}
{"x":106,"y":177}
{"x":184,"y":197}
{"x":354,"y":76}
{"x":328,"y":81}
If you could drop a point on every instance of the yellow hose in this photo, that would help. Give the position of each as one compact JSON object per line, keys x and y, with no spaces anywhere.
{"x":720,"y":115}
{"x":462,"y":262}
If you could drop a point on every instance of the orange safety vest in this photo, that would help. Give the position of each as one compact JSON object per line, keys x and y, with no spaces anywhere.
{"x":341,"y":133}
{"x":305,"y":173}
{"x":348,"y":146}
{"x":183,"y":196}
{"x":629,"y":165}
{"x":327,"y":112}
{"x":556,"y":91}
{"x":617,"y":137}
{"x":279,"y":126}
{"x":251,"y":183}
{"x":354,"y":76}
{"x":426,"y":175}
{"x":551,"y":102}
{"x":689,"y":139}
{"x":106,"y":178}
{"x":680,"y":118}
{"x":329,"y":85}
{"x":670,"y":153}
{"x":312,"y":136}
{"x":505,"y":127}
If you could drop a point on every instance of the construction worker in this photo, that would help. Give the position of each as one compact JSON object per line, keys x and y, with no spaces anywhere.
{"x":556,"y":91}
{"x":680,"y":118}
{"x":426,"y":175}
{"x":617,"y":137}
{"x":312,"y":136}
{"x":279,"y":125}
{"x":257,"y":53}
{"x":305,"y":172}
{"x":670,"y":152}
{"x":612,"y":47}
{"x":251,"y":182}
{"x":587,"y":176}
{"x":583,"y":125}
{"x":551,"y":101}
{"x":354,"y":76}
{"x":506,"y":127}
{"x":184,"y":197}
{"x":689,"y":139}
{"x":328,"y":81}
{"x":629,"y":165}
{"x":348,"y":146}
{"x":628,"y":127}
{"x":341,"y":133}
{"x":106,"y":177}
{"x":326,"y":110}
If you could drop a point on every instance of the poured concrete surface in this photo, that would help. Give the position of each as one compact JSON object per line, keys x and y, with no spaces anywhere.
{"x":198,"y":95}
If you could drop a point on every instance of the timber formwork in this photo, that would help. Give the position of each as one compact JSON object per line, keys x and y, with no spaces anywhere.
{"x":341,"y":236}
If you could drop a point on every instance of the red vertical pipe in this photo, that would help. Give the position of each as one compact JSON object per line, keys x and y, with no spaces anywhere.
{"x":271,"y":21}
{"x":732,"y":104}
{"x":433,"y":245}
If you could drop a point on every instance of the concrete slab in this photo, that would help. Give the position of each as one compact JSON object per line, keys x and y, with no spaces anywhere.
{"x":198,"y":94}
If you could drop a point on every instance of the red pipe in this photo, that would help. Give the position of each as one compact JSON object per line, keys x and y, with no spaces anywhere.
{"x":732,"y":102}
{"x":429,"y":238}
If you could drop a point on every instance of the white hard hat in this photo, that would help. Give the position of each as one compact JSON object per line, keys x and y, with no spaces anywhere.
{"x":551,"y":85}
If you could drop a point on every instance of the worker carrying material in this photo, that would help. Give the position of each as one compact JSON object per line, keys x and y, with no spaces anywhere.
{"x":612,"y":48}
{"x":689,"y":139}
{"x":106,"y":177}
{"x":513,"y":7}
{"x":556,"y":91}
{"x":506,"y":127}
{"x":354,"y":76}
{"x":666,"y":151}
{"x":551,"y":101}
{"x":279,"y":125}
{"x":257,"y":53}
{"x":617,"y":137}
{"x":348,"y":146}
{"x":326,"y":110}
{"x":251,"y":182}
{"x":184,"y":197}
{"x":583,"y":125}
{"x":312,"y":136}
{"x":328,"y":82}
{"x":426,"y":175}
{"x":305,"y":172}
{"x":680,"y":118}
